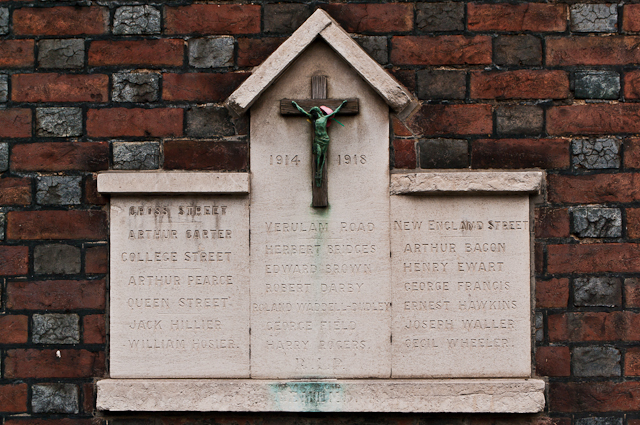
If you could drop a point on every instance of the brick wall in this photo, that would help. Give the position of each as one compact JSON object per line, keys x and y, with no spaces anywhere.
{"x":90,"y":86}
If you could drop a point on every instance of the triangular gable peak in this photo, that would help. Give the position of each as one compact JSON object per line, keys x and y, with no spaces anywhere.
{"x":320,"y":24}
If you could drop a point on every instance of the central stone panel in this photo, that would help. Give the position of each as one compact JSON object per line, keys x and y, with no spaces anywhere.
{"x":320,"y":293}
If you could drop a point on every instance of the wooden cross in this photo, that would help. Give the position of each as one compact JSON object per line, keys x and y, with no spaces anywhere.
{"x":320,"y":196}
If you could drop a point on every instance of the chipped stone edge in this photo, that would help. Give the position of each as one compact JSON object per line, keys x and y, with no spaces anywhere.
{"x":466,"y":181}
{"x":320,"y":24}
{"x":161,"y":182}
{"x":365,"y":395}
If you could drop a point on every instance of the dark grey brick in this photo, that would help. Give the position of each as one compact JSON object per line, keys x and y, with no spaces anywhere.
{"x":590,"y":222}
{"x":136,"y":155}
{"x":4,"y":157}
{"x":56,"y":329}
{"x":4,"y":20}
{"x":595,"y":154}
{"x":135,"y":87}
{"x":3,"y":222}
{"x":136,"y":20}
{"x":445,"y":16}
{"x":594,"y":18}
{"x":54,"y":398}
{"x":375,"y":46}
{"x":539,"y":323}
{"x":435,"y":85}
{"x":595,"y":362}
{"x":599,"y":421}
{"x":517,"y":50}
{"x":58,"y":190}
{"x":68,"y":54}
{"x":597,"y":85}
{"x":597,"y":292}
{"x":209,"y":121}
{"x":58,"y":122}
{"x":4,"y":87}
{"x":284,"y":17}
{"x":211,"y":52}
{"x":519,"y":119}
{"x":444,"y":153}
{"x":56,"y":259}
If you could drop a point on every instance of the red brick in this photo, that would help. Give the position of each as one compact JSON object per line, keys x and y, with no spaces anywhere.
{"x":596,"y":188}
{"x":60,"y":156}
{"x":631,"y":18}
{"x":134,"y":122}
{"x":88,"y":398}
{"x":63,"y":421}
{"x":452,"y":119}
{"x":13,"y":398}
{"x":204,"y":155}
{"x":538,"y":257}
{"x":404,"y":151}
{"x":632,"y":362}
{"x":94,"y":329}
{"x":553,"y":361}
{"x":632,"y":84}
{"x":213,"y":19}
{"x":552,"y":223}
{"x":537,"y":17}
{"x":61,"y":20}
{"x":616,"y":50}
{"x":201,"y":87}
{"x":632,"y":293}
{"x":164,"y":52}
{"x":46,"y":364}
{"x":97,"y":259}
{"x":553,"y":293}
{"x":558,"y":327}
{"x":253,"y":51}
{"x":521,"y":84}
{"x":520,"y":153}
{"x":34,"y":225}
{"x":91,"y":194}
{"x":15,"y":191}
{"x":633,"y":223}
{"x":632,"y":153}
{"x":593,"y":258}
{"x":441,"y":50}
{"x":60,"y":88}
{"x":56,"y":295}
{"x":594,"y":396}
{"x":16,"y":53}
{"x":15,"y":122}
{"x":372,"y":17}
{"x":594,"y":119}
{"x":399,"y":128}
{"x":14,"y":329}
{"x":14,"y":260}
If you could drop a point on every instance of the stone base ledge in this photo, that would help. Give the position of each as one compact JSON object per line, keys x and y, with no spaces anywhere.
{"x":358,"y":395}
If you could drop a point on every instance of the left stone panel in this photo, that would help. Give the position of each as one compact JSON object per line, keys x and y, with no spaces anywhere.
{"x":179,"y":287}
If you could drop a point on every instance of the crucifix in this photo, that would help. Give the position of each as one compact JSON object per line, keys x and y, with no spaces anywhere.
{"x":320,"y":107}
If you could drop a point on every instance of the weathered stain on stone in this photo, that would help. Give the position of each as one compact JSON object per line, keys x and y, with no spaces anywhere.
{"x":135,"y":87}
{"x":211,"y":52}
{"x":594,"y":18}
{"x":590,"y":222}
{"x":56,"y":259}
{"x":596,"y":362}
{"x":136,"y":155}
{"x":57,"y":53}
{"x":375,"y":46}
{"x":58,"y":122}
{"x":54,"y":398}
{"x":597,"y":85}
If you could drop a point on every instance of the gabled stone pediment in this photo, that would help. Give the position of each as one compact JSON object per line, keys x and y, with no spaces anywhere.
{"x":321,"y":25}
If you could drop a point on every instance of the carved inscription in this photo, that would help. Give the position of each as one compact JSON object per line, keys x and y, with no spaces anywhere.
{"x":179,"y":287}
{"x":460,"y":286}
{"x":320,"y":292}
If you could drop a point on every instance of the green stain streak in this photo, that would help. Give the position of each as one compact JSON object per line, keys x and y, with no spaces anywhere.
{"x":308,"y":396}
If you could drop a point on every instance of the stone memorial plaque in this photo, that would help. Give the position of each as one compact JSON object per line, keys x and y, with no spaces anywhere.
{"x":320,"y":293}
{"x":179,"y":287}
{"x":461,"y":286}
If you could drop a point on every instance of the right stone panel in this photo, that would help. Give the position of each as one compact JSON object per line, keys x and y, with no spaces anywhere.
{"x":461,"y":286}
